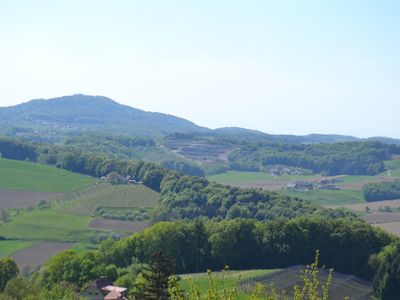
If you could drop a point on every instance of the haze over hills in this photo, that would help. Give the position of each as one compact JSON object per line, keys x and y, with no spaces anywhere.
{"x":68,"y":115}
{"x":95,"y":113}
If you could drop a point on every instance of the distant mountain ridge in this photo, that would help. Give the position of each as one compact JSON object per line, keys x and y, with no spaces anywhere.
{"x":93,"y":113}
{"x":64,"y":116}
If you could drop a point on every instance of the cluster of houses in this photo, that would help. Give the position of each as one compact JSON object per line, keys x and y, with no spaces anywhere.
{"x":319,"y":184}
{"x":103,"y":289}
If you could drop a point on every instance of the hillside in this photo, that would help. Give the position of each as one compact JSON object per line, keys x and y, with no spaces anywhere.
{"x":78,"y":113}
{"x":56,"y":118}
{"x":26,"y":176}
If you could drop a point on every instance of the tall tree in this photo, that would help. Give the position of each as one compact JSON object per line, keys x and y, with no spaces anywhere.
{"x":8,"y":271}
{"x":155,"y":279}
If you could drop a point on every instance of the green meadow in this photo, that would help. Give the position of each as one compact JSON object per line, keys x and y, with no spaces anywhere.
{"x":323,"y":197}
{"x":46,"y":225}
{"x":10,"y":246}
{"x":240,"y":177}
{"x":26,"y":176}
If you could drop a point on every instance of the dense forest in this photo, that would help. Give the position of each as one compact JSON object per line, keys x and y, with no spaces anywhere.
{"x":381,"y":191}
{"x":124,"y":147}
{"x":352,"y":158}
{"x":352,"y":247}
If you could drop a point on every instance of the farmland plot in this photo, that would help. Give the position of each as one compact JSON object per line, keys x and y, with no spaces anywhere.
{"x":85,"y":202}
{"x":342,"y":285}
{"x":381,"y":217}
{"x":35,"y":255}
{"x":23,"y":199}
{"x":374,"y":206}
{"x":118,"y":225}
{"x":392,"y":227}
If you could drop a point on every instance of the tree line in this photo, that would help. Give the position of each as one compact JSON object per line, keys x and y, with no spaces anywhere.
{"x":351,"y":247}
{"x":381,"y":191}
{"x":350,"y":158}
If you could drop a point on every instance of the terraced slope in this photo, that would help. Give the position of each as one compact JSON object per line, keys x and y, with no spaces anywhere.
{"x":86,"y":201}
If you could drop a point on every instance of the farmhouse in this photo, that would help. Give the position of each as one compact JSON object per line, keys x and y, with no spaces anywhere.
{"x":103,"y":289}
{"x":300,"y":185}
{"x":329,"y":187}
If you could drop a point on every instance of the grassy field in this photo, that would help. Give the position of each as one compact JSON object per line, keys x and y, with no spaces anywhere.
{"x":239,"y":177}
{"x":340,"y":197}
{"x":202,"y":281}
{"x":46,"y":225}
{"x":85,"y":202}
{"x":20,"y":175}
{"x":394,"y":167}
{"x":11,"y":246}
{"x":350,"y":186}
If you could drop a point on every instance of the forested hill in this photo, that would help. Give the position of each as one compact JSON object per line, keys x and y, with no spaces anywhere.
{"x":54,"y":120}
{"x":94,"y":113}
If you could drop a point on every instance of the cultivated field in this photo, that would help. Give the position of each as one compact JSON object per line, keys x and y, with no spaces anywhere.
{"x":35,"y":255}
{"x":118,"y":225}
{"x":381,"y":217}
{"x":86,"y":201}
{"x":25,"y":176}
{"x":46,"y":225}
{"x":349,"y":194}
{"x":23,"y":199}
{"x":374,"y":206}
{"x":392,"y":227}
{"x":342,"y":285}
{"x":10,"y":246}
{"x":202,"y":281}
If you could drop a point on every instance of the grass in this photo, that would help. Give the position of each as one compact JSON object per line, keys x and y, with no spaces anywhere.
{"x":239,"y":177}
{"x":26,"y":176}
{"x":202,"y":282}
{"x":322,"y":197}
{"x":394,"y":167}
{"x":10,"y":246}
{"x":47,"y":225}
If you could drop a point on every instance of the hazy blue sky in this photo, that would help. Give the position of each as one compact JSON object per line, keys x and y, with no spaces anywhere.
{"x":278,"y":66}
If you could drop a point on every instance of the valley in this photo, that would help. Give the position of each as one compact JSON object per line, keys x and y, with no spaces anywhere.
{"x":256,"y":202}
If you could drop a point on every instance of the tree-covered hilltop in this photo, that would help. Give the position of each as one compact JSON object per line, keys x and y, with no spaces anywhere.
{"x":79,"y":113}
{"x":352,"y":158}
{"x":381,"y":191}
{"x":183,"y":197}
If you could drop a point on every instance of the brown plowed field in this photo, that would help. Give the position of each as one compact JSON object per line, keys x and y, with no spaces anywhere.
{"x":392,"y":227}
{"x":381,"y":217}
{"x":37,"y":254}
{"x":374,"y":206}
{"x":23,"y":199}
{"x":118,"y":225}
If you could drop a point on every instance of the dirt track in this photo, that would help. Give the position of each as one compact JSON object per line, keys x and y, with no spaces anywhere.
{"x":23,"y":199}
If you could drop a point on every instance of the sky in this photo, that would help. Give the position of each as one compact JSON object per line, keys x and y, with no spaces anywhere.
{"x":282,"y":67}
